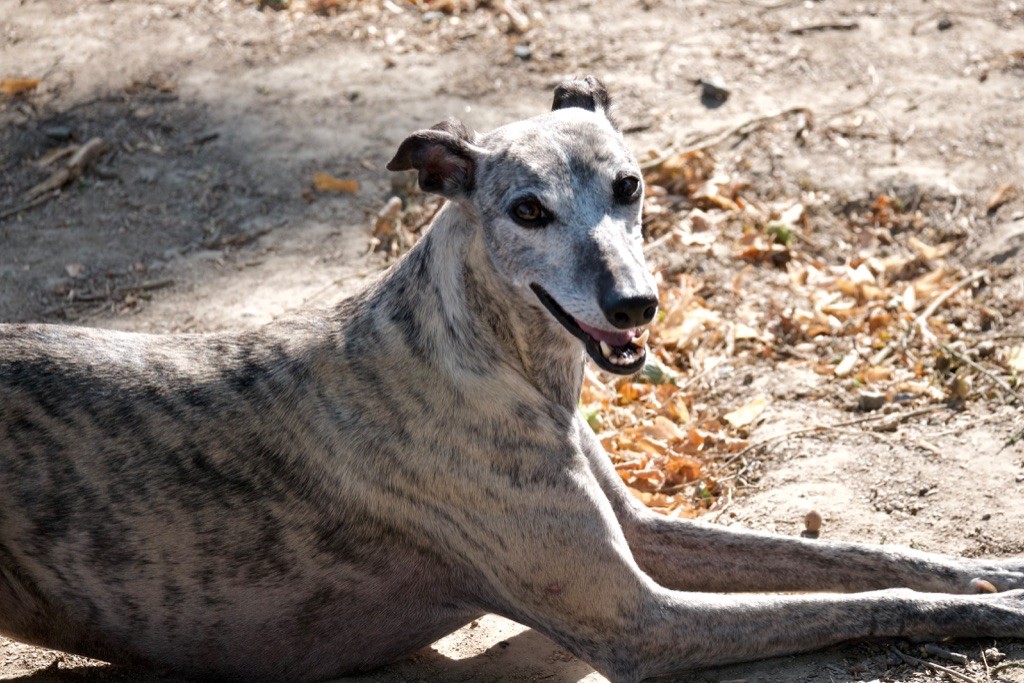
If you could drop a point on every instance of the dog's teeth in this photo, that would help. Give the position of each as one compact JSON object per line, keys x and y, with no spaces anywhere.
{"x":641,"y":341}
{"x":606,"y":350}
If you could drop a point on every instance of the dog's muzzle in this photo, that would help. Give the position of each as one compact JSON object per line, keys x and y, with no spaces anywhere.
{"x":622,"y":351}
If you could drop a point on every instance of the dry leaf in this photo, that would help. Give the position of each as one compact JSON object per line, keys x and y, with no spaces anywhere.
{"x":797,"y":273}
{"x":328,"y":183}
{"x":324,"y":6}
{"x":388,"y":219}
{"x":929,"y":252}
{"x":743,"y":416}
{"x":862,"y":275}
{"x":1000,"y":196}
{"x":17,"y":86}
{"x":698,"y":239}
{"x":742,"y":331}
{"x":847,"y":364}
{"x":1015,"y":359}
{"x":909,"y":299}
{"x":683,"y":468}
{"x":678,"y":410}
{"x":663,"y":428}
{"x":876,"y":373}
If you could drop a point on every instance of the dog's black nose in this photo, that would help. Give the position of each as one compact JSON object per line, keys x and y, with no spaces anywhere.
{"x":629,"y":311}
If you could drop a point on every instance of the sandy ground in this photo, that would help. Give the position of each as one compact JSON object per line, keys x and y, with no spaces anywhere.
{"x":217,"y":115}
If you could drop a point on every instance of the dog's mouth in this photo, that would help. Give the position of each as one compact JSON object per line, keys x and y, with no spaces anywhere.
{"x":622,"y":352}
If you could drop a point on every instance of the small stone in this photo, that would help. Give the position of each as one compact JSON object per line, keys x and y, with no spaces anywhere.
{"x":945,"y":23}
{"x":870,"y":400}
{"x":812,"y":521}
{"x":148,"y":174}
{"x":523,"y":51}
{"x":985,"y":349}
{"x":432,"y":16}
{"x":56,"y":132}
{"x":713,"y":92}
{"x":994,"y":656}
{"x":960,"y":387}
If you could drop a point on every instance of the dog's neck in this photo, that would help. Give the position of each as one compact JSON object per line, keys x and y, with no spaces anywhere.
{"x":472,"y":323}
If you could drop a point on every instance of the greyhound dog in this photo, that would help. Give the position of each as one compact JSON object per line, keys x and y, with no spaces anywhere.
{"x":336,"y":490}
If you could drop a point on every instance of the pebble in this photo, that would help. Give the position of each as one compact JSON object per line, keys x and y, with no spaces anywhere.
{"x":960,"y":387}
{"x":523,"y":51}
{"x":945,"y":23}
{"x":57,"y":132}
{"x":812,"y":521}
{"x":870,"y":400}
{"x":713,"y":92}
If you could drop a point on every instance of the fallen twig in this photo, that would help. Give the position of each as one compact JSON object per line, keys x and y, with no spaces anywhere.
{"x":932,"y":665}
{"x":995,"y":379}
{"x":821,"y":428}
{"x":928,"y":446}
{"x":29,"y":205}
{"x":1007,"y":665}
{"x":750,"y":125}
{"x":149,"y":285}
{"x":767,"y":6}
{"x":831,"y":26}
{"x":921,"y":321}
{"x":76,"y":164}
{"x":1013,"y":439}
{"x":933,"y":649}
{"x":743,"y":128}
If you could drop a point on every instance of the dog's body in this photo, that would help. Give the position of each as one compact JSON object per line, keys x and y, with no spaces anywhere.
{"x":331,"y":492}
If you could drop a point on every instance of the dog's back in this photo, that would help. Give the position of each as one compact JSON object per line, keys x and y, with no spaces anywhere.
{"x":179,"y":496}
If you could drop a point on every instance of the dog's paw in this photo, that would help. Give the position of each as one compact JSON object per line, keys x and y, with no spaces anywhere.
{"x":998,"y":576}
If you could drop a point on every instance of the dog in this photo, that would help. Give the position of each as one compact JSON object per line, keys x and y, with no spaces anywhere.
{"x":337,"y":489}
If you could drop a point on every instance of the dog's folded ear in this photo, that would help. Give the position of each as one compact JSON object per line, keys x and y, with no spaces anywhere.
{"x":444,"y":155}
{"x":585,"y":93}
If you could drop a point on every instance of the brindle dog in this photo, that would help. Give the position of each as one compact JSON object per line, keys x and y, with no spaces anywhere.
{"x":333,"y":491}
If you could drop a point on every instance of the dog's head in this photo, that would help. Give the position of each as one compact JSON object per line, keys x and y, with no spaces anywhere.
{"x":558,"y":199}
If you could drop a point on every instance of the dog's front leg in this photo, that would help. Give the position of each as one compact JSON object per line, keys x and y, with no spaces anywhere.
{"x":564,"y":569}
{"x":688,"y":555}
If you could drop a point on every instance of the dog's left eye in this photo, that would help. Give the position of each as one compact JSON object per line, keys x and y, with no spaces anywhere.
{"x":626,"y":189}
{"x":530,"y":213}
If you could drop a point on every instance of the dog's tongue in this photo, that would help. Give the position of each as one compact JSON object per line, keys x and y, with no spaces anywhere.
{"x":611,"y":338}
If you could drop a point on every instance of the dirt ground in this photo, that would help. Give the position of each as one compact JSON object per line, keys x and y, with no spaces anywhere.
{"x":215,"y":115}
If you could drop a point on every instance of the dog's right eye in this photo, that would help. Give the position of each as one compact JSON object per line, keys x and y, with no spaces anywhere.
{"x":530,"y":213}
